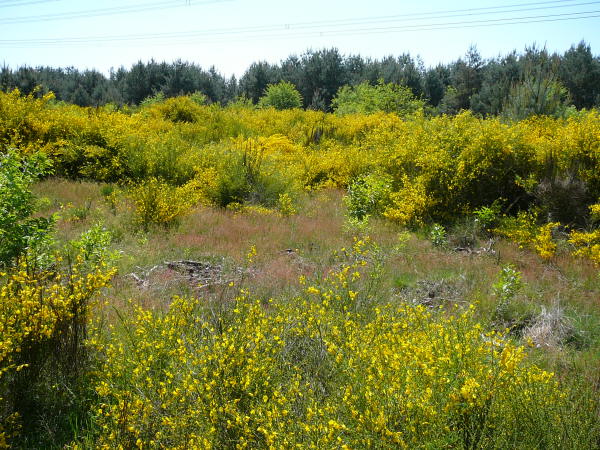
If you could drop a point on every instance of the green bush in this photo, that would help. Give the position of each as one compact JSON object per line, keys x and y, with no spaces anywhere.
{"x":232,"y":185}
{"x":18,"y":230}
{"x":488,"y":216}
{"x":368,"y":195}
{"x":244,"y":177}
{"x":282,"y":95}
{"x":438,"y":235}
{"x":159,"y":97}
{"x":367,"y":99}
{"x":506,"y":288}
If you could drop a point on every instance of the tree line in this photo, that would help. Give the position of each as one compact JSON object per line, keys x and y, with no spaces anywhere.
{"x":534,"y":81}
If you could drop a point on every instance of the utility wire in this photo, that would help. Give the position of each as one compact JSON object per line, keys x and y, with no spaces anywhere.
{"x":390,"y":30}
{"x":348,"y":22}
{"x":12,"y":3}
{"x":165,"y":5}
{"x":462,"y":12}
{"x":105,"y":11}
{"x":295,"y":30}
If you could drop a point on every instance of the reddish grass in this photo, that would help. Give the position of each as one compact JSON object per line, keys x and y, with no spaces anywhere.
{"x":312,"y":235}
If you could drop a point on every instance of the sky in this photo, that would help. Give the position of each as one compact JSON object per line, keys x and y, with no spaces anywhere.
{"x":232,"y":34}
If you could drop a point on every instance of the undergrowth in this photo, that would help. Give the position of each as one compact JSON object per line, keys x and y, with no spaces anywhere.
{"x":472,"y":323}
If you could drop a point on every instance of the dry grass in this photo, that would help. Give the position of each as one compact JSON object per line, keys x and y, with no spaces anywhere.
{"x":302,"y":244}
{"x":67,"y":191}
{"x":551,"y":328}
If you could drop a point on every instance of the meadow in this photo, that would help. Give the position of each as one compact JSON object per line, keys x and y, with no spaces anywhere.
{"x":183,"y":275}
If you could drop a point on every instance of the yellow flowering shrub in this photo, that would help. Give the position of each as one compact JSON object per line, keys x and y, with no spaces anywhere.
{"x":335,"y":367}
{"x":40,"y":313}
{"x":410,"y":205}
{"x":158,"y":203}
{"x":285,"y":205}
{"x":23,"y":120}
{"x":571,"y":145}
{"x":543,"y":243}
{"x":327,"y":369}
{"x":587,"y":244}
{"x":460,"y":156}
{"x":523,"y":230}
{"x":595,"y":211}
{"x":441,"y":168}
{"x":199,"y":385}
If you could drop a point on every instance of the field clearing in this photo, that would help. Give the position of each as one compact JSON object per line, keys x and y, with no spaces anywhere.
{"x":269,"y":279}
{"x":411,"y":270}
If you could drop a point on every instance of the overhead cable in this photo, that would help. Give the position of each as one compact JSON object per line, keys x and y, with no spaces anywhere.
{"x":295,"y":31}
{"x":142,"y":7}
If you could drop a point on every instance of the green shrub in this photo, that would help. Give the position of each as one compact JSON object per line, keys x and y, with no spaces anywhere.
{"x":488,"y":216}
{"x":244,"y":177}
{"x":18,"y":230}
{"x":367,"y":99}
{"x":159,"y":97}
{"x":93,"y":247}
{"x":506,"y":288}
{"x":282,"y":95}
{"x":438,"y":235}
{"x":232,"y":185}
{"x":367,"y":195}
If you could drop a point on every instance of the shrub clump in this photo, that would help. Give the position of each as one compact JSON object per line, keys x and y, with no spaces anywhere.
{"x":329,"y":369}
{"x":368,"y":99}
{"x":18,"y":230}
{"x":160,"y":204}
{"x":282,"y":95}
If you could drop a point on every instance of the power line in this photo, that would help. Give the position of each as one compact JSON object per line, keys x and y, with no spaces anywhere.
{"x":105,"y":11}
{"x":468,"y":11}
{"x":294,"y":31}
{"x":13,"y":3}
{"x":439,"y":27}
{"x":166,"y":4}
{"x":385,"y":19}
{"x":525,"y":19}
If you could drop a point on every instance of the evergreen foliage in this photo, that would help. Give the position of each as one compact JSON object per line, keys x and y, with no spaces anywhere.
{"x":484,"y":86}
